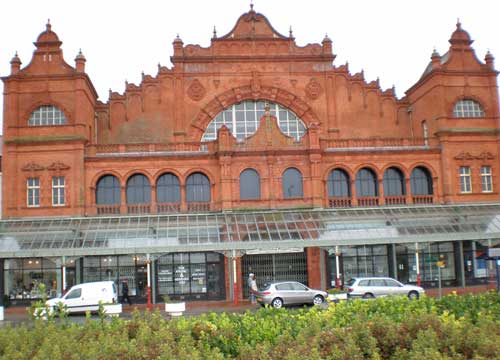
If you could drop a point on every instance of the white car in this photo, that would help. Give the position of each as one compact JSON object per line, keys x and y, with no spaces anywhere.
{"x":86,"y":297}
{"x":371,"y":287}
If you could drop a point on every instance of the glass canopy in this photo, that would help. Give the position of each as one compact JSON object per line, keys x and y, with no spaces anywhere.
{"x":249,"y":230}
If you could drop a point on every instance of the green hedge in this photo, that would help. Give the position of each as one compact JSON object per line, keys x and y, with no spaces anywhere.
{"x":455,"y":327}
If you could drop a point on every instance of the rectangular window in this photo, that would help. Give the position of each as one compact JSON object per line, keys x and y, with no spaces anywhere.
{"x":486,"y":179}
{"x":57,"y":190}
{"x":33,"y":192}
{"x":465,"y":180}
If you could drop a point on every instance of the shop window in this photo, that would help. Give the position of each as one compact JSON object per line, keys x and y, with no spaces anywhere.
{"x":249,"y":185}
{"x":339,"y":184}
{"x":168,"y":189}
{"x":108,"y":191}
{"x":366,"y":183}
{"x":421,"y":181}
{"x":486,"y":179}
{"x":465,"y":180}
{"x":197,"y":188}
{"x":33,"y":192}
{"x":468,"y":108}
{"x":394,"y":182}
{"x":243,"y":119}
{"x":292,"y":184}
{"x":58,"y":193}
{"x":138,"y":190}
{"x":47,"y":115}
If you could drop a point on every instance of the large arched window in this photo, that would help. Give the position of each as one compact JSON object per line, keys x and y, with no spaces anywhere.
{"x":468,"y":108}
{"x":243,"y":119}
{"x":292,"y":184}
{"x":47,"y":115}
{"x":108,"y":191}
{"x":366,"y":183}
{"x":197,"y":188}
{"x":338,"y":184}
{"x":394,"y":182}
{"x":168,"y":189}
{"x":249,"y":185}
{"x":421,"y":181}
{"x":138,"y":190}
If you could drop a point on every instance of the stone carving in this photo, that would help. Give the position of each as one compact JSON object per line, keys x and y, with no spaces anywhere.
{"x":313,"y":89}
{"x":33,"y":167}
{"x":485,"y":155}
{"x":196,"y":90}
{"x":58,"y":166}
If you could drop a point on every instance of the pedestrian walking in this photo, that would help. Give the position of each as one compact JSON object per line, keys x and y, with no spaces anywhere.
{"x":125,"y":292}
{"x":253,"y":289}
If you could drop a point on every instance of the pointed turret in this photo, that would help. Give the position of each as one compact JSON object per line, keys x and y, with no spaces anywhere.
{"x":489,"y":59}
{"x":15,"y":65}
{"x":460,"y":38}
{"x":435,"y":59}
{"x":80,"y":62}
{"x":327,"y":45}
{"x":178,"y":45}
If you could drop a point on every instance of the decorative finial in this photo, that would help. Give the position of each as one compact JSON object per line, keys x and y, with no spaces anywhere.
{"x":459,"y":24}
{"x":267,"y":108}
{"x":215,"y":33}
{"x":251,"y":5}
{"x":290,"y":31}
{"x":48,"y":26}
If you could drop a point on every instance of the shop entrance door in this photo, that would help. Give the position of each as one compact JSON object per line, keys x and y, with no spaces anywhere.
{"x":403,"y":270}
{"x":215,"y":281}
{"x":141,"y":283}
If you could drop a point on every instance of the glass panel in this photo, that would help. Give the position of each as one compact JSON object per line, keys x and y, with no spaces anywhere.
{"x":292,"y":184}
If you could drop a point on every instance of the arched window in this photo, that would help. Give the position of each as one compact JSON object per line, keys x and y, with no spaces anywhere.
{"x":292,"y":184}
{"x":197,"y":188}
{"x":394,"y":182}
{"x":421,"y":181}
{"x":108,"y":191}
{"x":338,"y":184}
{"x":138,"y":190}
{"x":168,"y":189}
{"x":243,"y":119}
{"x":47,"y":115}
{"x":249,"y":185}
{"x":366,"y":183}
{"x":468,"y":108}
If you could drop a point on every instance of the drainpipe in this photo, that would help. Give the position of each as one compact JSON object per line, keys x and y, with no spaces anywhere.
{"x":148,"y":276}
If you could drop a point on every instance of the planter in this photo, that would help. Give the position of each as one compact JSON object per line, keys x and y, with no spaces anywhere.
{"x":337,"y":297}
{"x":113,"y":309}
{"x":175,"y":309}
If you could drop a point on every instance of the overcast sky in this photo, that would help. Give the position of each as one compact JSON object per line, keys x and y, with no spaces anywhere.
{"x":389,"y":39}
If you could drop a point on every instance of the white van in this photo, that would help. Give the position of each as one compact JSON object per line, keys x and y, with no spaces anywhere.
{"x":86,"y":297}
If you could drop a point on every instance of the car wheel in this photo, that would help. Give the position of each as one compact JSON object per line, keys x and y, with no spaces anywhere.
{"x":318,"y":300}
{"x":413,"y":295}
{"x":368,"y":296}
{"x":277,"y":303}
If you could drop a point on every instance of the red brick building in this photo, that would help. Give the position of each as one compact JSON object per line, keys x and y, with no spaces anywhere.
{"x":260,"y":130}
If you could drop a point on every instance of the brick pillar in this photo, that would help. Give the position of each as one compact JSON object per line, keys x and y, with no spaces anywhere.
{"x":313,"y":267}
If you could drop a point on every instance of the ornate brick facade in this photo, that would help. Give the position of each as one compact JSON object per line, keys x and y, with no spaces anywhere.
{"x":156,"y":127}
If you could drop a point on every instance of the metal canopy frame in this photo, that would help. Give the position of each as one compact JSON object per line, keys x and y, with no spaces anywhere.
{"x":247,"y":230}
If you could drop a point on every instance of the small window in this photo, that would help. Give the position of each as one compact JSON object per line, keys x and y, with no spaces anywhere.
{"x":58,"y":191}
{"x":390,"y":282}
{"x":249,"y":185}
{"x":298,"y":287}
{"x":283,"y":287}
{"x":47,"y":115}
{"x":465,"y":180}
{"x":74,"y":294}
{"x":364,"y":282}
{"x":377,"y":282}
{"x":292,"y":184}
{"x":468,"y":108}
{"x":33,"y":192}
{"x":486,"y":179}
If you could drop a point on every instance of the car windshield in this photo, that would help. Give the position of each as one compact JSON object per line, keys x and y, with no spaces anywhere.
{"x":350,"y":282}
{"x":265,"y":287}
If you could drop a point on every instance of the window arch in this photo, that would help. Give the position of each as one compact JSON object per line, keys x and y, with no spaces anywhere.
{"x":197,"y":188}
{"x":47,"y":115}
{"x":292,"y":184}
{"x":108,"y":191}
{"x":168,"y":189}
{"x":366,"y":183}
{"x":394,"y":182}
{"x":243,"y":118}
{"x":338,"y":184}
{"x":421,"y":181}
{"x":249,"y":185}
{"x":138,"y":190}
{"x":468,"y":108}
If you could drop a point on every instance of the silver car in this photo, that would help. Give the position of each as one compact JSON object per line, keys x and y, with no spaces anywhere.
{"x":281,"y":293}
{"x":371,"y":287}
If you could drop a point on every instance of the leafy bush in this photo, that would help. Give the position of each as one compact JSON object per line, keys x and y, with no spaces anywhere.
{"x":454,"y":327}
